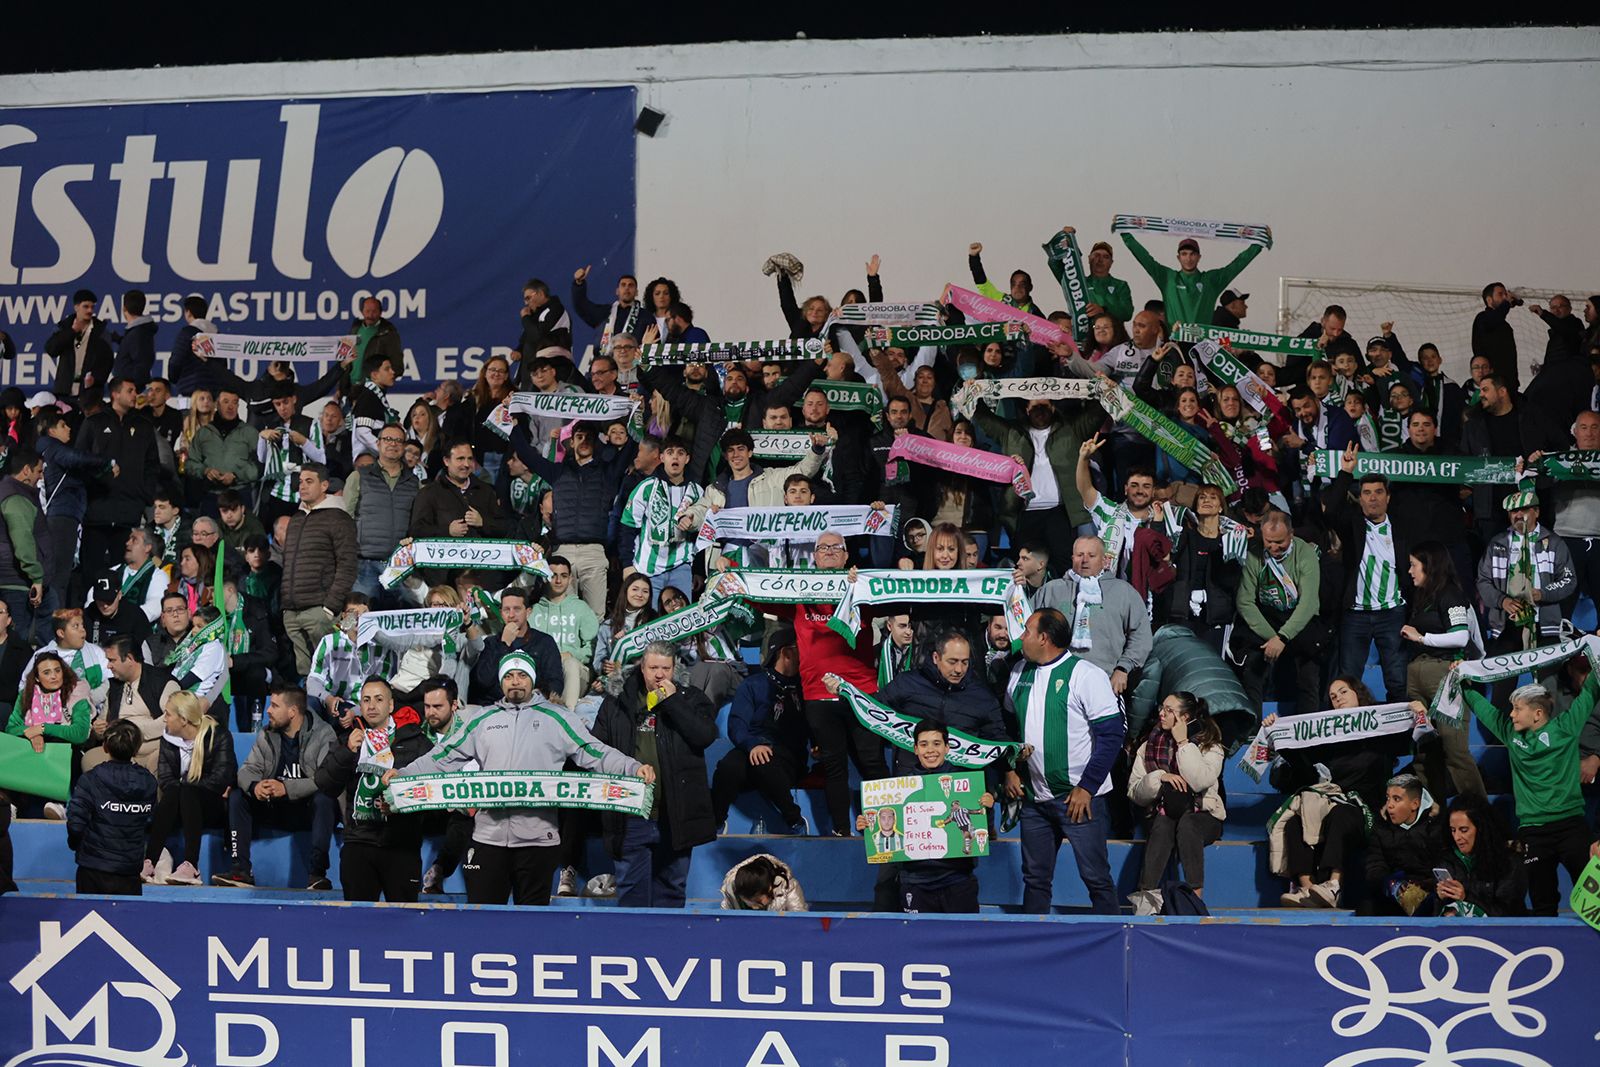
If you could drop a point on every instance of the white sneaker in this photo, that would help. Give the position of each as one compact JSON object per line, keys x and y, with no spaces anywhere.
{"x":601,"y":885}
{"x":184,"y":874}
{"x":568,"y":886}
{"x":55,"y":811}
{"x":1146,"y":901}
{"x":1298,"y":897}
{"x":148,"y":874}
{"x":1325,"y":895}
{"x":164,"y":866}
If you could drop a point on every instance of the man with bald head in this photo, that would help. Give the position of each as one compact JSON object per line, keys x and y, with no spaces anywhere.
{"x":1278,"y":599}
{"x":1566,"y":329}
{"x":1110,"y":626}
{"x":1577,"y":511}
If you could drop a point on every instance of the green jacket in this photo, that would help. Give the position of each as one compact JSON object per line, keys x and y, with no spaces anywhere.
{"x":1067,"y":434}
{"x":1544,"y":762}
{"x":1190,"y":297}
{"x":571,"y":624}
{"x":233,"y":453}
{"x":74,"y":731}
{"x":1306,"y":573}
{"x":1112,"y":294}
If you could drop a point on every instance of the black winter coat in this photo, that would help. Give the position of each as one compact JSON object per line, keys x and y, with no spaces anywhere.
{"x":130,"y":440}
{"x":1392,"y":849}
{"x":584,"y":493}
{"x":109,"y":817}
{"x":967,"y":705}
{"x":1497,"y":893}
{"x":686,"y":725}
{"x":97,"y":358}
{"x":218,"y":773}
{"x":337,"y":774}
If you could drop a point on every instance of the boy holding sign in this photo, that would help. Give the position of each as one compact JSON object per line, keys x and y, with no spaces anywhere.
{"x":946,"y":883}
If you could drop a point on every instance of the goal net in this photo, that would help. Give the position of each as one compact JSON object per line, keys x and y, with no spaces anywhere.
{"x":1441,"y":314}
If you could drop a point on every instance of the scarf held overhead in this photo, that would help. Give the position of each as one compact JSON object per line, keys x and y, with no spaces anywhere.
{"x":797,"y":524}
{"x":520,"y":789}
{"x":1229,"y":231}
{"x":680,"y":625}
{"x":964,"y":459}
{"x":992,"y":390}
{"x":993,"y":588}
{"x":469,"y":552}
{"x":1236,"y":339}
{"x":1165,"y":434}
{"x":782,"y":445}
{"x":979,"y":307}
{"x":275,"y":349}
{"x":682,"y":353}
{"x":1444,"y":470}
{"x":886,"y":314}
{"x":966,"y":751}
{"x":589,"y":407}
{"x":1448,"y":703}
{"x":1323,"y":728}
{"x":778,"y":586}
{"x":1226,"y":369}
{"x":1066,"y":263}
{"x":409,"y":628}
{"x":971,"y":333}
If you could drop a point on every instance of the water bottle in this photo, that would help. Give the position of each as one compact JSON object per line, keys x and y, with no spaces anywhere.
{"x":760,"y":827}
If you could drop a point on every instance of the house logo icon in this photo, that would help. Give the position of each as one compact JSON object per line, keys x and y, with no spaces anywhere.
{"x":82,"y":1031}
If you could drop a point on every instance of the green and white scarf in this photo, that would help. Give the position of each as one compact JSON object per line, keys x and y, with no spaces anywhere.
{"x":853,"y":396}
{"x":494,"y":790}
{"x":607,"y":336}
{"x":1442,"y":470}
{"x":995,"y":588}
{"x":964,"y":401}
{"x":282,"y":464}
{"x":971,"y":333}
{"x":1324,"y":728}
{"x":133,"y":578}
{"x":525,"y":492}
{"x":1066,"y":263}
{"x":1448,"y":703}
{"x":779,"y":586}
{"x":391,"y":417}
{"x":465,"y":552}
{"x":681,"y":353}
{"x":1224,"y":368}
{"x":558,"y":404}
{"x":783,"y":446}
{"x":893,"y":660}
{"x":184,"y":655}
{"x":275,"y":349}
{"x":1246,"y":340}
{"x":410,"y":628}
{"x":1180,"y":444}
{"x":881,"y":314}
{"x":375,"y":759}
{"x":781,"y":525}
{"x":1572,"y":465}
{"x":680,"y":625}
{"x":1249,"y":233}
{"x":1277,"y":589}
{"x":966,"y":751}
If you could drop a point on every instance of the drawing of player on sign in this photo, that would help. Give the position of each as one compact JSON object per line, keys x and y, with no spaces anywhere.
{"x":888,"y":837}
{"x":962,"y":817}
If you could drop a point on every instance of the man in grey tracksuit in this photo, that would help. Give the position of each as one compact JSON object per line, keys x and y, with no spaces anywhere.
{"x":513,"y":850}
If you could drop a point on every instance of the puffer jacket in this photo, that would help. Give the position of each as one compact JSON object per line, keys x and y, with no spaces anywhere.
{"x":319,"y":558}
{"x":786,"y":892}
{"x":1394,"y":849}
{"x":686,"y":724}
{"x":110,"y":814}
{"x":64,"y":470}
{"x":218,"y":771}
{"x":316,"y":738}
{"x":520,"y":737}
{"x":1201,"y":768}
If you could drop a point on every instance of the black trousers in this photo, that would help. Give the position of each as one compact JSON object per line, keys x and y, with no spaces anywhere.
{"x":99,"y":551}
{"x":194,"y":808}
{"x":1342,"y":833}
{"x":494,"y":873}
{"x":456,"y":829}
{"x":1053,"y":527}
{"x":577,"y":827}
{"x":774,"y":780}
{"x":103,"y":883}
{"x":841,"y":738}
{"x":958,"y":899}
{"x":1564,"y":842}
{"x":370,"y":872}
{"x":8,"y":884}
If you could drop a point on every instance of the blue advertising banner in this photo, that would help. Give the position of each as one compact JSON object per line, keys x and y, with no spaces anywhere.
{"x":285,"y":214}
{"x":168,"y":983}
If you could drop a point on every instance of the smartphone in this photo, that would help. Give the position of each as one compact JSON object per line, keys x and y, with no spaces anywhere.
{"x":1441,"y":875}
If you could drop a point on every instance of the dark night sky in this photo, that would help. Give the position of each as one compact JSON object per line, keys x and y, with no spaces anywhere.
{"x":247,"y":32}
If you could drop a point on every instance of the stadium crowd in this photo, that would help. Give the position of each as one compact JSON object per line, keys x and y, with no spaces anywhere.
{"x":190,"y":556}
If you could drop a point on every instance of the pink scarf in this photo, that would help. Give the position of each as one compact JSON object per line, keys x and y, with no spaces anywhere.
{"x":46,"y":709}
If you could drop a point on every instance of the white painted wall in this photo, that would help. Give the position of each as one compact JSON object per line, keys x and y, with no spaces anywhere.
{"x":1448,"y":156}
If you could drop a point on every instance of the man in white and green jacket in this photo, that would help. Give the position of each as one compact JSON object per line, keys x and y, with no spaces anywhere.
{"x":1071,"y":725}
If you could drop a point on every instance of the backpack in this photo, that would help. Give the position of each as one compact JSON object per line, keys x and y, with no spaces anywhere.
{"x":1178,"y":899}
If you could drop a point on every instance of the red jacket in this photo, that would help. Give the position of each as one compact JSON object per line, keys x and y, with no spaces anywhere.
{"x":824,"y":652}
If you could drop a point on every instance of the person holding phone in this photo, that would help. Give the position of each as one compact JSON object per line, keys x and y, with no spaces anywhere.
{"x":1477,"y":875}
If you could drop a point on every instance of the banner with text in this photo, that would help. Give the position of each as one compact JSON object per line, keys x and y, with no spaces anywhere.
{"x":283,"y":215}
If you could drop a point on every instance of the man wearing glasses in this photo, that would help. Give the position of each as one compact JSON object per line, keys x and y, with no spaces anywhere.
{"x":834,"y":728}
{"x":379,"y":497}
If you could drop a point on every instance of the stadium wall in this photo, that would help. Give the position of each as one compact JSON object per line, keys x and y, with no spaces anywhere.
{"x":1436,"y":156}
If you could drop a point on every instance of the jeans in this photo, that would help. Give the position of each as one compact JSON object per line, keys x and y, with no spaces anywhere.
{"x":1359,"y":630}
{"x":1044,"y":825}
{"x":651,"y":873}
{"x":319,"y":813}
{"x":1586,"y":562}
{"x":367,"y":572}
{"x":680,"y":578}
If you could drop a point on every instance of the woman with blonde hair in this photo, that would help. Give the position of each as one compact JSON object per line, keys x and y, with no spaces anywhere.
{"x":195,"y":770}
{"x":202,"y":409}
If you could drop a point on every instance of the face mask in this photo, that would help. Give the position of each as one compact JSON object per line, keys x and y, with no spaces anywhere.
{"x":968,"y":372}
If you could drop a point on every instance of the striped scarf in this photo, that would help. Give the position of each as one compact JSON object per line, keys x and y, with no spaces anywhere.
{"x":893,"y":661}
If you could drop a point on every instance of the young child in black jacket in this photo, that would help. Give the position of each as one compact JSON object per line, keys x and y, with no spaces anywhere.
{"x":110,"y":815}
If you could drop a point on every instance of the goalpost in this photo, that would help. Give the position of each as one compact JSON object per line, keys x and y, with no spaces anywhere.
{"x":1441,"y":314}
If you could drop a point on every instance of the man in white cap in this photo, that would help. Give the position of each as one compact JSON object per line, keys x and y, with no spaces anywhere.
{"x":513,"y":851}
{"x":1524,"y":575}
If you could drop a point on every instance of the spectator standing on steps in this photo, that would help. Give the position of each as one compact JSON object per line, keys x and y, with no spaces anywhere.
{"x":319,"y":568}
